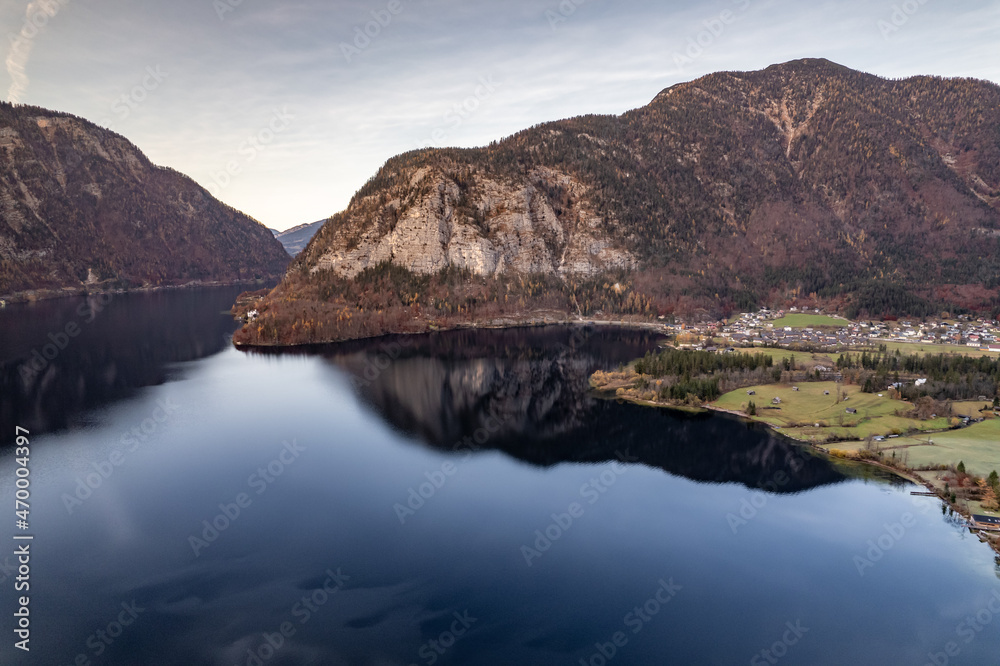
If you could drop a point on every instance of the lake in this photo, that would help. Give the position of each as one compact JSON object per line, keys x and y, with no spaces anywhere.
{"x":457,"y":498}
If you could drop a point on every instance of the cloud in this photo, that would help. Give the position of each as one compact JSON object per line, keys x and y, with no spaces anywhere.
{"x":36,"y":17}
{"x":227,"y":76}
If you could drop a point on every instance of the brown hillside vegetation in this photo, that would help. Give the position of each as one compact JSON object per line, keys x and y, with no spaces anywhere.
{"x":804,"y":180}
{"x":81,"y":204}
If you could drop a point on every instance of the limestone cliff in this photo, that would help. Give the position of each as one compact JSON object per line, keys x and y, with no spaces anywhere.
{"x":448,"y":214}
{"x":804,"y":183}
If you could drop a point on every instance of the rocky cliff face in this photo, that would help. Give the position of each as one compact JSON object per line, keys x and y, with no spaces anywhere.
{"x":806,"y":180}
{"x":444,"y":215}
{"x":80,"y":205}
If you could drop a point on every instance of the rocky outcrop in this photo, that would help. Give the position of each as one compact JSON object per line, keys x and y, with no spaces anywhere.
{"x":80,"y":206}
{"x":805,"y":183}
{"x":803,"y":176}
{"x":446,"y":216}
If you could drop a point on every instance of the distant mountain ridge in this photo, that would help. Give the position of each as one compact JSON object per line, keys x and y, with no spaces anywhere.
{"x":80,"y":206}
{"x":806,"y":181}
{"x":297,"y":238}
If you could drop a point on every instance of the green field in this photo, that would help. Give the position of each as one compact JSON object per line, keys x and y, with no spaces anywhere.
{"x":801,"y":410}
{"x":810,"y":321}
{"x":978,"y":446}
{"x":971,"y":408}
{"x":923,"y":349}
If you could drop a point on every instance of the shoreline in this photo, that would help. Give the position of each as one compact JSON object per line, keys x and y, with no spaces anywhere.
{"x":913,"y":476}
{"x":54,"y":293}
{"x":537,"y":321}
{"x":502,"y":324}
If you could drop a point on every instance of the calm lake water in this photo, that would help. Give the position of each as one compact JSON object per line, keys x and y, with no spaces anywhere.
{"x":453,"y":499}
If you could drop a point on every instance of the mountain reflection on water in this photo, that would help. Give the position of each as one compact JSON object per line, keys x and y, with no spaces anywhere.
{"x":531,"y":387}
{"x":63,"y":357}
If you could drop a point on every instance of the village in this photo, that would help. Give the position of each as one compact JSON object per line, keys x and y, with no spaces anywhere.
{"x":814,"y":330}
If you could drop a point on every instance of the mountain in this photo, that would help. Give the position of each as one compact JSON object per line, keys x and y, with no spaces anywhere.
{"x":296,"y":238}
{"x":81,"y":206}
{"x":804,"y":182}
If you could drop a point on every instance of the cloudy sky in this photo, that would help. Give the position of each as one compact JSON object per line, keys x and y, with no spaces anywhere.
{"x":284,"y":109}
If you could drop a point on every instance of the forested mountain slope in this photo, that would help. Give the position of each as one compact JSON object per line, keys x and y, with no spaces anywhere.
{"x":81,"y":205}
{"x":806,"y":180}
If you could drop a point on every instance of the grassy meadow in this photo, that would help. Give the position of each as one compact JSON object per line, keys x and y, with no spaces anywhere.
{"x":810,"y":321}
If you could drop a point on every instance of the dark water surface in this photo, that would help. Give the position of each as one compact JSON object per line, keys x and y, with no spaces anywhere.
{"x":453,"y":499}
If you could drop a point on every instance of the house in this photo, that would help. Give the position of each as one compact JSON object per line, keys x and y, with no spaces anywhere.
{"x":776,"y":401}
{"x":751,"y":392}
{"x":851,"y":410}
